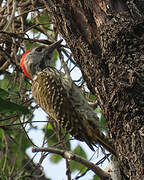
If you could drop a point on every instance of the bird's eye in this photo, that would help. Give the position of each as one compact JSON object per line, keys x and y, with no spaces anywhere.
{"x":39,"y":49}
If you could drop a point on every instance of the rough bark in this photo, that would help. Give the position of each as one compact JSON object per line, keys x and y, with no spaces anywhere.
{"x":107,"y":41}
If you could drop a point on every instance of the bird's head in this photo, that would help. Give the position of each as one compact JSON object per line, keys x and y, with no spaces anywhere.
{"x":37,"y":59}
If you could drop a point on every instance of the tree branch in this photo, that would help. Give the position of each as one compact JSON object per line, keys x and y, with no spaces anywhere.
{"x":68,"y":155}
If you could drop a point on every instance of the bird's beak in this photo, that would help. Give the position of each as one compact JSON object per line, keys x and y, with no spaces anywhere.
{"x":55,"y":45}
{"x":47,"y":59}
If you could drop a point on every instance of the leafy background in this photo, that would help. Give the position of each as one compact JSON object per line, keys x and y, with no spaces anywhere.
{"x":25,"y":25}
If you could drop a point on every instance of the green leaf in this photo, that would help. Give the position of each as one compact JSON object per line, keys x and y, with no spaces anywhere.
{"x":28,"y":45}
{"x":3,"y":93}
{"x":95,"y":177}
{"x":68,"y":144}
{"x":25,"y":143}
{"x":80,"y":152}
{"x":114,"y":158}
{"x":8,"y":106}
{"x":90,"y":96}
{"x":50,"y":134}
{"x":55,"y":158}
{"x":12,"y":92}
{"x":75,"y":165}
{"x":0,"y":138}
{"x":43,"y":18}
{"x":103,"y":124}
{"x":7,"y":82}
{"x":98,"y":110}
{"x":55,"y":58}
{"x":67,"y":137}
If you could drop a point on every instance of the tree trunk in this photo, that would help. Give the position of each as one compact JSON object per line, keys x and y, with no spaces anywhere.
{"x":107,"y":41}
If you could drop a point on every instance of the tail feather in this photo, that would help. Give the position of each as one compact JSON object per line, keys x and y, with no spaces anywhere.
{"x":99,"y":137}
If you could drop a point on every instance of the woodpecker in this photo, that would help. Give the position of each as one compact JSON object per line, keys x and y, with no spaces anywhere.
{"x":56,"y":93}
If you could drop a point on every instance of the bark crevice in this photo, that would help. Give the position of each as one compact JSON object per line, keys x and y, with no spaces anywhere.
{"x":106,"y":39}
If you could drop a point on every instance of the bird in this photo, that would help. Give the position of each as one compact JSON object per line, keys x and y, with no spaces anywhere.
{"x":56,"y":93}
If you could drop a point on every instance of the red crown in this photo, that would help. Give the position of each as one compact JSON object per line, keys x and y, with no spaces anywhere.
{"x":22,"y":64}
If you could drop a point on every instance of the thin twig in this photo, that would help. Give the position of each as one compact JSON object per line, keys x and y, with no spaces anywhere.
{"x":98,"y":163}
{"x":17,"y":124}
{"x":44,"y":41}
{"x":68,"y":56}
{"x":6,"y":152}
{"x":11,"y":16}
{"x":68,"y":155}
